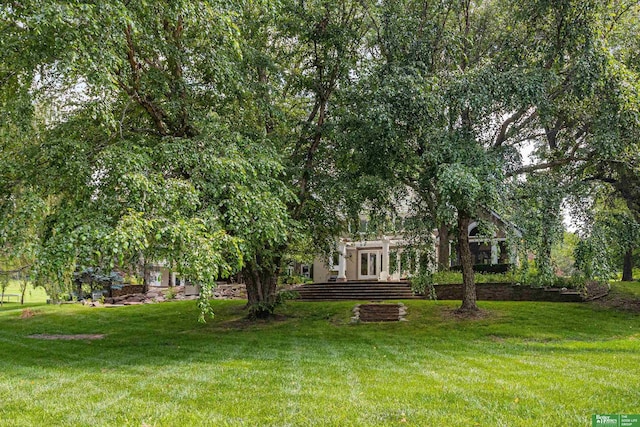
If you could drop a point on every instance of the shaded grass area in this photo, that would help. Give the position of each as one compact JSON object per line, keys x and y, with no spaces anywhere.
{"x":630,"y":289}
{"x":522,"y":364}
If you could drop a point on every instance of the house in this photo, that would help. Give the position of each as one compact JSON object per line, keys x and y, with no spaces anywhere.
{"x":161,"y":276}
{"x":381,"y":258}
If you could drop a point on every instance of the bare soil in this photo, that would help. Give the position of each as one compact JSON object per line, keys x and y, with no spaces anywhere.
{"x":455,"y":313}
{"x":619,"y":301}
{"x":67,"y":337}
{"x":27,"y":313}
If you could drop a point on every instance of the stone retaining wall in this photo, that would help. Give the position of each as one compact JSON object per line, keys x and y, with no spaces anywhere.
{"x":127,"y":290}
{"x":222,"y":291}
{"x":509,"y":292}
{"x":233,"y":291}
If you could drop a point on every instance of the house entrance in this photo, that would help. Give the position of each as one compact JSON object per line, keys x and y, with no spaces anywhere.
{"x":369,"y":264}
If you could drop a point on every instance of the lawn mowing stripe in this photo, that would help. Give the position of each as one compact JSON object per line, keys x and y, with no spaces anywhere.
{"x":171,"y":369}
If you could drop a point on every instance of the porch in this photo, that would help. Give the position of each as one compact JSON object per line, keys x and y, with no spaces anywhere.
{"x":371,"y":260}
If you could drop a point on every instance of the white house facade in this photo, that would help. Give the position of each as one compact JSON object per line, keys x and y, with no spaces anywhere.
{"x":381,"y":258}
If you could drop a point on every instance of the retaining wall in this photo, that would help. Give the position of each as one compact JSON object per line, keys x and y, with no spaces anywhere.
{"x":509,"y":292}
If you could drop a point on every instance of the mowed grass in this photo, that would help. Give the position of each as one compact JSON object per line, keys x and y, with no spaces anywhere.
{"x":629,"y":288}
{"x":33,"y":295}
{"x":523,"y":364}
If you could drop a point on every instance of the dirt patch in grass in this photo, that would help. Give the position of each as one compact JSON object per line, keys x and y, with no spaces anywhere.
{"x":619,"y":301}
{"x":248,"y":323}
{"x":496,"y":338}
{"x":27,"y":313}
{"x":455,"y":314}
{"x":67,"y":337}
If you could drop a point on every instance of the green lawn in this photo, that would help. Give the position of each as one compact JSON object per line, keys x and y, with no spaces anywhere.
{"x":525,"y":364}
{"x":31,"y":296}
{"x":629,"y":288}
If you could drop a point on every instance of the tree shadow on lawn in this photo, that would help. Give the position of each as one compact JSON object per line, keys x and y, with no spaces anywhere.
{"x":481,"y":314}
{"x":149,"y":336}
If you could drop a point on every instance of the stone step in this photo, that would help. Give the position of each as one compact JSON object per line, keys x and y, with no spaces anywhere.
{"x":348,"y":288}
{"x":355,"y":285}
{"x":356,"y":288}
{"x":381,"y":290}
{"x":356,"y":291}
{"x":355,"y":298}
{"x":329,"y":293}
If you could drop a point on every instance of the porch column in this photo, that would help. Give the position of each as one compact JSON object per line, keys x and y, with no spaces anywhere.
{"x":398,"y":273}
{"x":172,"y":279}
{"x":494,"y":252}
{"x":417,"y":268}
{"x":342,"y":262}
{"x":384,"y":271}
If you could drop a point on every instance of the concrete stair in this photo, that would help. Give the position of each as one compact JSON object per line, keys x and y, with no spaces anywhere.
{"x":355,"y":291}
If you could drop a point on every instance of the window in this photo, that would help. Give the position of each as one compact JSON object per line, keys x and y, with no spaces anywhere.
{"x":334,"y":261}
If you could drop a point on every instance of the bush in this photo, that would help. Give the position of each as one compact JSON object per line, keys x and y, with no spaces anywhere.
{"x":170,"y":293}
{"x":454,"y":277}
{"x":486,"y":268}
{"x":575,"y":282}
{"x":530,"y":278}
{"x":293,"y":279}
{"x":447,"y":277}
{"x":422,"y":283}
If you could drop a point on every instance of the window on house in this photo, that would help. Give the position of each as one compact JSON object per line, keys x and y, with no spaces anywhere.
{"x":503,"y":253}
{"x":334,"y":260}
{"x":480,"y":252}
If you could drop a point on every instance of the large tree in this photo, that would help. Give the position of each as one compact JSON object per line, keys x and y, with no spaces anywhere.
{"x":196,"y":133}
{"x":298,"y":56}
{"x":206,"y":133}
{"x":136,"y":140}
{"x":457,"y":88}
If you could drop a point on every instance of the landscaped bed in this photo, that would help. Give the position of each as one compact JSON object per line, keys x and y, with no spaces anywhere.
{"x":506,"y":287}
{"x":519,"y":364}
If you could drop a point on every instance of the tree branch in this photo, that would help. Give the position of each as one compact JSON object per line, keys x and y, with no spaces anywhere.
{"x":502,"y":134}
{"x":157,"y":114}
{"x":543,"y":166}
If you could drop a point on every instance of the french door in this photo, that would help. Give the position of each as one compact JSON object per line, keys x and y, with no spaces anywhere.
{"x":369,"y":264}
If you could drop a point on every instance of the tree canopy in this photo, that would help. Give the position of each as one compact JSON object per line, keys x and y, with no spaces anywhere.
{"x":224,"y":137}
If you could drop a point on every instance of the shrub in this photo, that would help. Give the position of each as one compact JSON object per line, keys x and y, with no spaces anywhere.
{"x":454,"y":277}
{"x":486,"y":268}
{"x":422,"y":283}
{"x":170,"y":293}
{"x":293,"y":279}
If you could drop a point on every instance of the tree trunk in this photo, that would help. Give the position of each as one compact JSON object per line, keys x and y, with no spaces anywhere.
{"x":146,"y":277}
{"x":543,"y":261}
{"x":261,"y":283}
{"x":78,"y":284}
{"x":23,"y":286}
{"x":4,"y":285}
{"x":468,"y":284}
{"x":443,"y":248}
{"x":627,"y":268}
